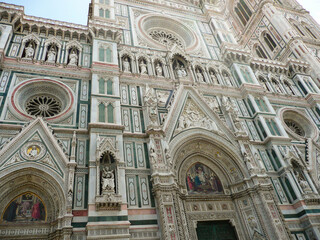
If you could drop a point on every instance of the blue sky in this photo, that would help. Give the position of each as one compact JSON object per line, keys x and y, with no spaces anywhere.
{"x":76,"y":11}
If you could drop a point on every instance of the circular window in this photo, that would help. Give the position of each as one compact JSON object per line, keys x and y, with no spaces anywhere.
{"x":298,"y":125}
{"x":161,"y":31}
{"x":295,"y":127}
{"x":45,"y":98}
{"x":166,"y":38}
{"x":43,"y":105}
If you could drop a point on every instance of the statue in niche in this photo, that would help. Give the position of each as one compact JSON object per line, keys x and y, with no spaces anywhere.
{"x":150,"y":101}
{"x":248,"y":162}
{"x":199,"y":76}
{"x":301,"y":180}
{"x":159,"y":70}
{"x":107,"y":180}
{"x":227,"y":79}
{"x":143,"y":67}
{"x":126,"y":65}
{"x":52,"y":55}
{"x":73,"y":58}
{"x":213,"y":77}
{"x":29,"y":51}
{"x":181,"y":71}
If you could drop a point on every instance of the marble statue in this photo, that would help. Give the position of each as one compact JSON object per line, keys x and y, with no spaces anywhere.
{"x":126,"y":65}
{"x":52,"y":55}
{"x":159,"y":70}
{"x":29,"y":52}
{"x":107,"y":179}
{"x":143,"y":68}
{"x":73,"y":58}
{"x":213,"y":77}
{"x":199,"y":76}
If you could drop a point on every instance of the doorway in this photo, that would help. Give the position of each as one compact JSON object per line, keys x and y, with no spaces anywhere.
{"x":216,"y":230}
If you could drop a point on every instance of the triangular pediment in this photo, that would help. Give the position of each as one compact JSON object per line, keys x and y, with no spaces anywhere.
{"x":188,"y":111}
{"x":35,"y":146}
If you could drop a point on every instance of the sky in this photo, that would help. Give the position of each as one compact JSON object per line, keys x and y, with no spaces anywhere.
{"x":76,"y":11}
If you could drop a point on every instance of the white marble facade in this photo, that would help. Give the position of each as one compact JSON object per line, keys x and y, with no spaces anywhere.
{"x":170,"y":120}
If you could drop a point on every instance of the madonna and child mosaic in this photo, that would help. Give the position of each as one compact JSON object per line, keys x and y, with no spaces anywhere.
{"x":202,"y":180}
{"x":25,"y":208}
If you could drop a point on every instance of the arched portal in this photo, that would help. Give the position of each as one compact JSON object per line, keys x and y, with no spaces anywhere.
{"x":213,"y":189}
{"x":33,"y":206}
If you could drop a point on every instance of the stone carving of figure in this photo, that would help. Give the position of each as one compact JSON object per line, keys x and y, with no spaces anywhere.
{"x":150,"y":101}
{"x":213,"y":104}
{"x":159,"y":69}
{"x":199,"y":76}
{"x":248,"y":162}
{"x":181,"y":71}
{"x":52,"y":55}
{"x":73,"y":58}
{"x":302,"y":182}
{"x":107,"y":180}
{"x":227,"y":79}
{"x":213,"y":77}
{"x":143,"y":68}
{"x":29,"y":51}
{"x":277,"y":87}
{"x":70,"y":194}
{"x":126,"y":65}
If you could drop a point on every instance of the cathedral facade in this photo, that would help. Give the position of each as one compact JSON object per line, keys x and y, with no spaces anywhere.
{"x":171,"y":120}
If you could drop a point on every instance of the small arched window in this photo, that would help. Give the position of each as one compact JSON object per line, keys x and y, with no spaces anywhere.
{"x":109,"y":87}
{"x":101,"y":86}
{"x":260,"y":52}
{"x":108,"y":55}
{"x":310,"y":32}
{"x":243,"y":12}
{"x":110,"y":113}
{"x":101,"y":12}
{"x":102,"y":113}
{"x":269,"y":41}
{"x":298,"y":29}
{"x":107,"y":13}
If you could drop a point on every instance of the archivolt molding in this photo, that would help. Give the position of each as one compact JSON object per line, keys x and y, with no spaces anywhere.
{"x":213,"y":147}
{"x":38,"y":182}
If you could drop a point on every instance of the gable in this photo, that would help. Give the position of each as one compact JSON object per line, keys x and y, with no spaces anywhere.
{"x":35,"y":146}
{"x":188,"y":111}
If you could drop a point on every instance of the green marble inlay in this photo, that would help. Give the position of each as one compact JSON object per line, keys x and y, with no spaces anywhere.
{"x":144,"y":222}
{"x":107,"y":218}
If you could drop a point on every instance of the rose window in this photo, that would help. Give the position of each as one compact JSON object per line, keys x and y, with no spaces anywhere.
{"x":295,"y":127}
{"x":166,"y":38}
{"x":46,"y":98}
{"x":44,"y":106}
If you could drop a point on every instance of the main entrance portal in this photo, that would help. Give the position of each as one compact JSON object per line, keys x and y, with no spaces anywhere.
{"x":216,"y":230}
